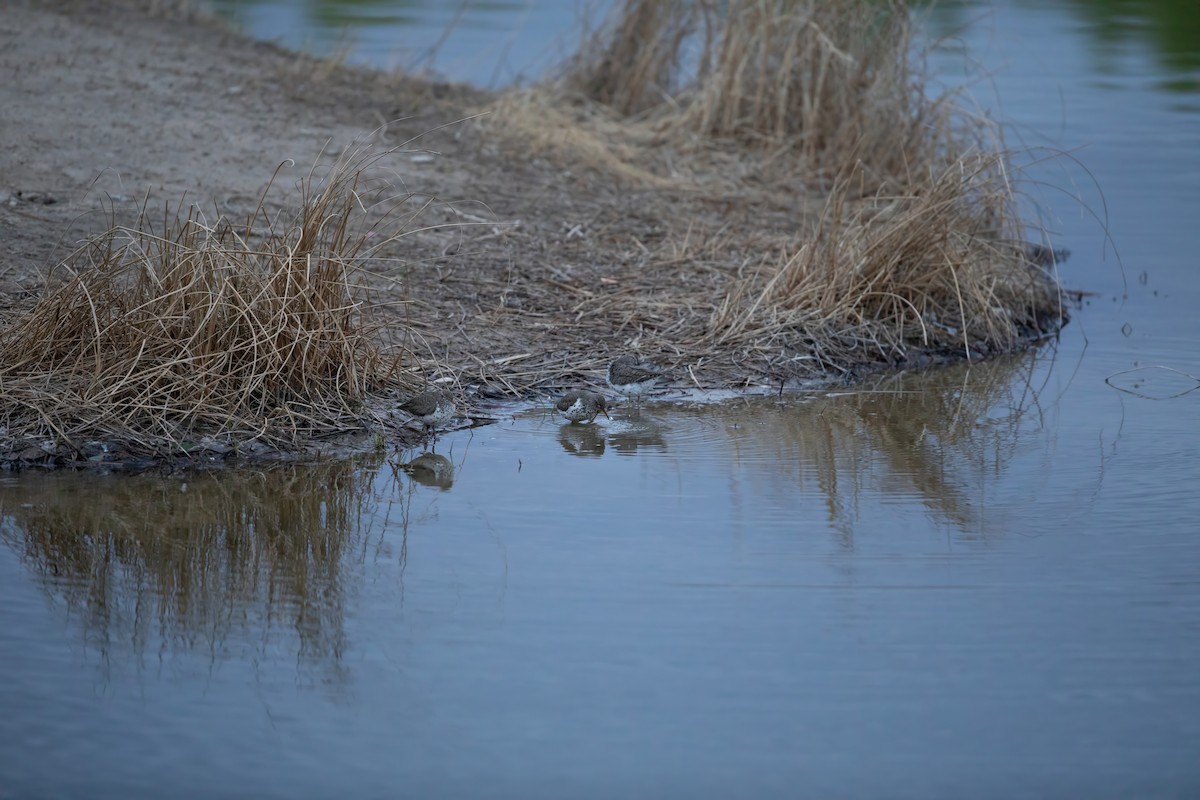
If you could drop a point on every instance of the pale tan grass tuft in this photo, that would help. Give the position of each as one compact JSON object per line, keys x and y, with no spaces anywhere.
{"x":176,"y":328}
{"x":936,"y":270}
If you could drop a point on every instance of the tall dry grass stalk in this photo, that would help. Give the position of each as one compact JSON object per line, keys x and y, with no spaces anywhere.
{"x":179,"y":327}
{"x":633,"y":65}
{"x":834,"y":83}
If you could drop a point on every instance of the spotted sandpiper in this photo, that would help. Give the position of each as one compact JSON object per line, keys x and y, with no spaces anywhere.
{"x":633,"y":377}
{"x":432,"y":407}
{"x":582,"y":405}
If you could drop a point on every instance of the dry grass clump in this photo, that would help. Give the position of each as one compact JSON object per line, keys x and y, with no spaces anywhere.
{"x":828,"y":84}
{"x":929,"y":271}
{"x":163,"y":333}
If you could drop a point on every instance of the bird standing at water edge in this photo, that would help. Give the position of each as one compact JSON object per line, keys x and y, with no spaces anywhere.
{"x":432,"y":407}
{"x":581,"y":405}
{"x":633,"y":377}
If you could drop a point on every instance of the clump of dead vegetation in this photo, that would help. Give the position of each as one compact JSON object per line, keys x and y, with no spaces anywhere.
{"x":183,"y":335}
{"x":826,"y":84}
{"x":918,"y":272}
{"x":878,"y":223}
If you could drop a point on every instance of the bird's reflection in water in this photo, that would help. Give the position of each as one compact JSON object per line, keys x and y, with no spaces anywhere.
{"x":431,"y":469}
{"x":582,"y":440}
{"x":637,"y":431}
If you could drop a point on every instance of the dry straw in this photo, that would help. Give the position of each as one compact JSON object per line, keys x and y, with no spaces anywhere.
{"x":882,"y":278}
{"x":177,"y":329}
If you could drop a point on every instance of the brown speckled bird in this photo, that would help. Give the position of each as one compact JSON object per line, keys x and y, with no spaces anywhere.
{"x":582,"y":405}
{"x":633,"y":377}
{"x":432,"y":407}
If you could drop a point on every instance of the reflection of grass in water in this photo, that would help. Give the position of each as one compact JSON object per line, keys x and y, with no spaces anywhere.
{"x":200,"y":564}
{"x":939,"y":434}
{"x":943,"y":432}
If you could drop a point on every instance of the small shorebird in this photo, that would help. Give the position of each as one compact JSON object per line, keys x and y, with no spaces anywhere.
{"x":582,"y":405}
{"x":432,"y":407}
{"x":632,"y":377}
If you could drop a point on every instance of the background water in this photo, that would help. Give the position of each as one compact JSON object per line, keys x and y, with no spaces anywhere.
{"x":980,"y":581}
{"x":490,"y":43}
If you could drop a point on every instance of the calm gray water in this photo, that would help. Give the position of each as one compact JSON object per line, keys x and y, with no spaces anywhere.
{"x":982,"y":581}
